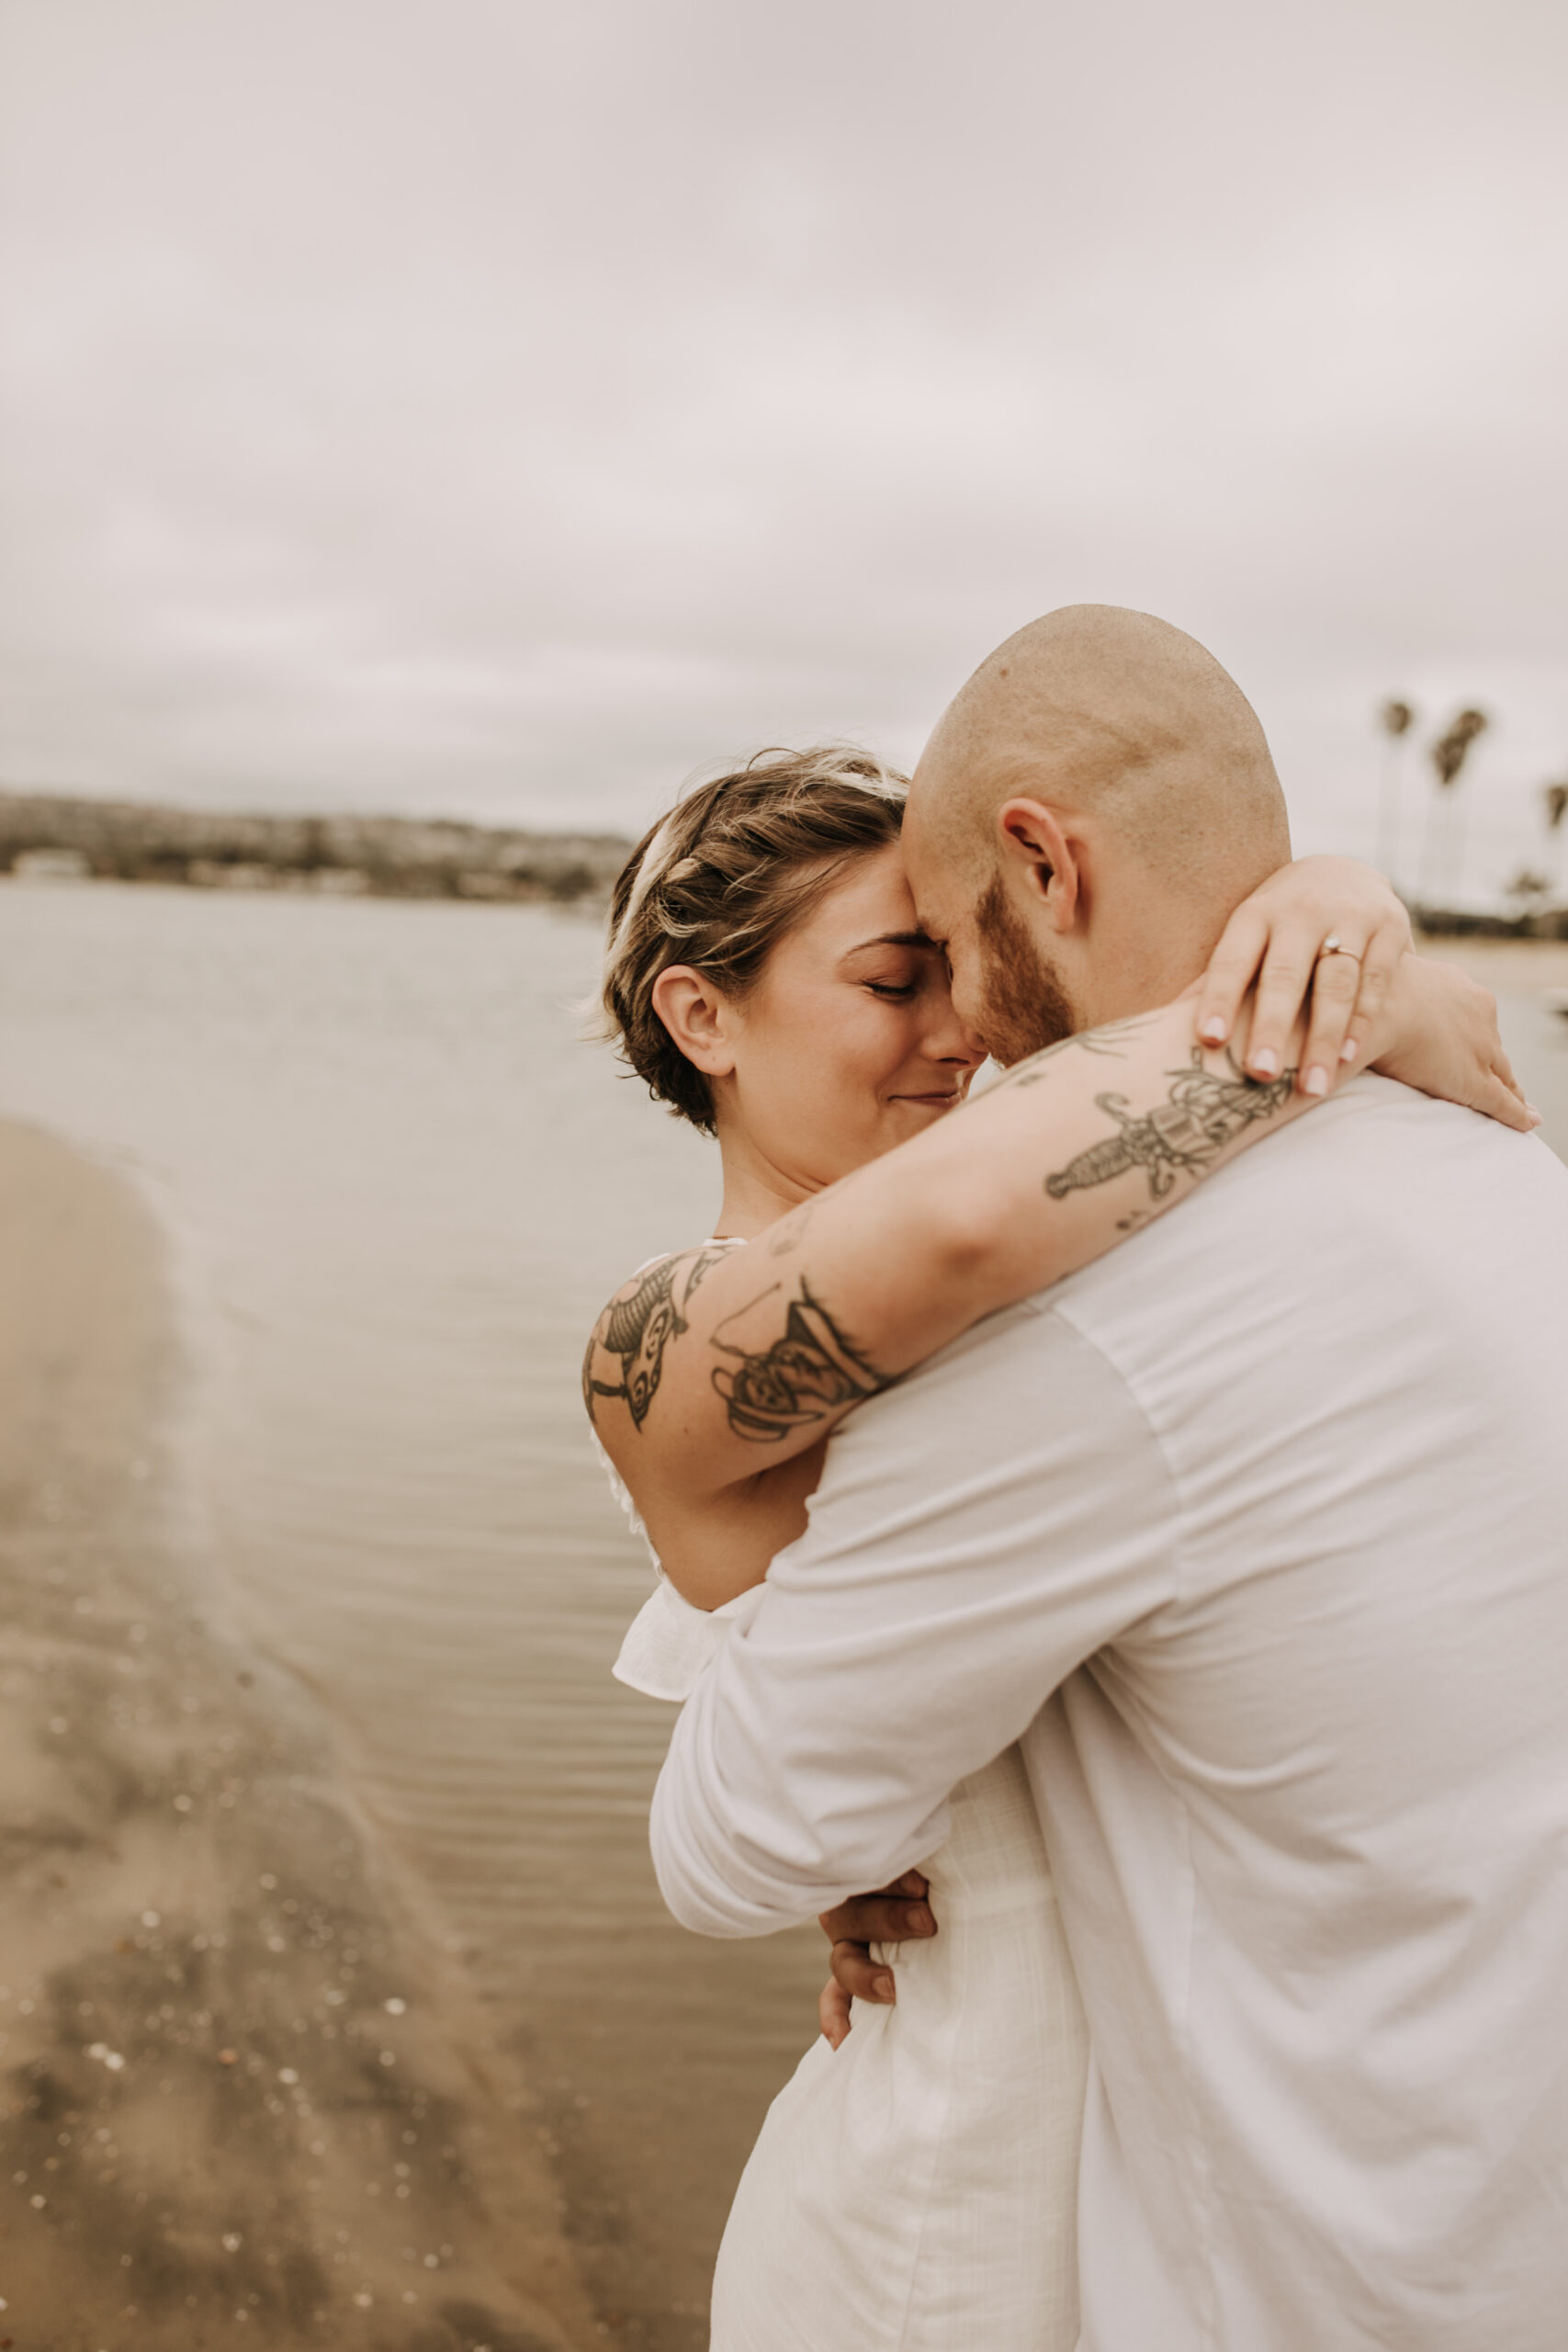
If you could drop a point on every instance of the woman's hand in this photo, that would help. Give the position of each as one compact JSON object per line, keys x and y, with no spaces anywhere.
{"x":1325,"y":928}
{"x":1437,"y":1031}
{"x":1326,"y":942}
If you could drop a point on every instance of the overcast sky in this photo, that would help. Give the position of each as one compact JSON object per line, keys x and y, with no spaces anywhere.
{"x":471,"y":405}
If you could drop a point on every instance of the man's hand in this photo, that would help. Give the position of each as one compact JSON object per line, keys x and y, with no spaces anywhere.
{"x":893,"y":1915}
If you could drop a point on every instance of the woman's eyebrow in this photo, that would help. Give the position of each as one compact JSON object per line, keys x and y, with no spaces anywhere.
{"x":893,"y":939}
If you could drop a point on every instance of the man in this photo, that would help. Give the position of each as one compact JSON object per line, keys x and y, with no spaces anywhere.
{"x":1252,"y":1534}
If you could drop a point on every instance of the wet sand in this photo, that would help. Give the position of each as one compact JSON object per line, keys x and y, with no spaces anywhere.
{"x":245,"y":2094}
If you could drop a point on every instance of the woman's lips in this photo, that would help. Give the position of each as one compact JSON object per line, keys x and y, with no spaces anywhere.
{"x":938,"y":1101}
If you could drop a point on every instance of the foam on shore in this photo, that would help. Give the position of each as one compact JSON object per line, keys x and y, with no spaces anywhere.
{"x":245,"y":2093}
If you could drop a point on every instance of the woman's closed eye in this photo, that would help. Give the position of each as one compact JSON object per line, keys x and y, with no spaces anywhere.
{"x":900,"y":991}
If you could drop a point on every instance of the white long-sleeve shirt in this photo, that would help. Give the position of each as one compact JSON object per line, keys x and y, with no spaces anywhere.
{"x":1256,"y":1535}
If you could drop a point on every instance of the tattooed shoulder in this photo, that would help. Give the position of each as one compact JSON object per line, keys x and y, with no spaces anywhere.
{"x":625,"y":1358}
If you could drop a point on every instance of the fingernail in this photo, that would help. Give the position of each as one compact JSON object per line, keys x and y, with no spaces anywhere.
{"x":1535,"y":1114}
{"x":1266,"y":1064}
{"x":1349,"y":1050}
{"x":1315,"y":1081}
{"x":1212,"y":1031}
{"x":885,"y":1988}
{"x":920,"y":1921}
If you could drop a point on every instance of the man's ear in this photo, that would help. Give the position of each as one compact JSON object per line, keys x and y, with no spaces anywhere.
{"x":698,"y":1017}
{"x":1034,"y":845}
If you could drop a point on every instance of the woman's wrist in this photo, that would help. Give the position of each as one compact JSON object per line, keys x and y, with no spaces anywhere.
{"x":1410,"y":1010}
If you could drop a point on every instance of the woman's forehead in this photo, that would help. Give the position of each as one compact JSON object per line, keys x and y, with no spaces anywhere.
{"x":873,"y":900}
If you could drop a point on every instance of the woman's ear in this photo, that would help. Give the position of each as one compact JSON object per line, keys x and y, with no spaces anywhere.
{"x":698,"y":1017}
{"x":1034,"y":845}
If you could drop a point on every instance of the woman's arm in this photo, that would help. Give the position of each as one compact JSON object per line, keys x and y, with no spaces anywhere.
{"x":710,"y":1372}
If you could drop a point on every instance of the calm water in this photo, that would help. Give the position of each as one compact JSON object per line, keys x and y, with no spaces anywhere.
{"x":399,"y":1188}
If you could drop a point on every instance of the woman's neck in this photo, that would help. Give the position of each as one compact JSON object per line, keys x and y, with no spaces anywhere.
{"x":756,"y":1194}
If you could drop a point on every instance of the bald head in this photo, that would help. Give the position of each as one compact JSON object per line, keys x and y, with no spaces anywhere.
{"x":1119,"y":717}
{"x":1160,"y":794}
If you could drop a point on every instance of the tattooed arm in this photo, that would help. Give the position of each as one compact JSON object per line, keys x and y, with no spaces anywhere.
{"x":713,"y":1377}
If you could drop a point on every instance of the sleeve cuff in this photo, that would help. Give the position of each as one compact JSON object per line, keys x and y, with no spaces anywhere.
{"x":668,"y":1643}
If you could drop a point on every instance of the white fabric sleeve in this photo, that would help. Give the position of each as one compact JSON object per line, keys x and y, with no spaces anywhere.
{"x":979,"y":1531}
{"x":668,"y":1643}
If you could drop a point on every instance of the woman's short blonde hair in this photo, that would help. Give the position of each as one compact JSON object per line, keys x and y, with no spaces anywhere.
{"x":716,"y":883}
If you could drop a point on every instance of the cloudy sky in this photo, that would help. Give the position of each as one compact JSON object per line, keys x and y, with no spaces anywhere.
{"x":468,"y":404}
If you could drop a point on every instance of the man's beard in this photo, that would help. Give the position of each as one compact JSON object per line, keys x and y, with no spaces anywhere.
{"x":1025,"y":1007}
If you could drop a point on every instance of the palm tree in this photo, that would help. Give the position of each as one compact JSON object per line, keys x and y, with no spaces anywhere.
{"x":1528,"y":891}
{"x":1397,"y":719}
{"x":1448,"y":754}
{"x":1554,"y":800}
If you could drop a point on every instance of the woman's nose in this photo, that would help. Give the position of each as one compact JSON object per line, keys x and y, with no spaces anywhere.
{"x":953,"y":1042}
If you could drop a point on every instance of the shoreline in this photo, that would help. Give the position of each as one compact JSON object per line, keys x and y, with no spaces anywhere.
{"x":48,"y":836}
{"x":244,"y":2081}
{"x":1501,"y":962}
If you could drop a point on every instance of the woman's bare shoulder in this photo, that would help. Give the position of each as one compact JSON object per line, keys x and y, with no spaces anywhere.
{"x":626,"y":1346}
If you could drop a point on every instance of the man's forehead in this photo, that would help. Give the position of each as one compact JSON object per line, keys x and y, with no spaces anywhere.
{"x":935,"y":875}
{"x":941,"y":912}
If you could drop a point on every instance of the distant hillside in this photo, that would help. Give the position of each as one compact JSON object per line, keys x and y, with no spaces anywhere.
{"x":385,"y":857}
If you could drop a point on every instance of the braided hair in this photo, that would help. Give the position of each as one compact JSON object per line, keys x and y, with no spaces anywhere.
{"x":719,"y":881}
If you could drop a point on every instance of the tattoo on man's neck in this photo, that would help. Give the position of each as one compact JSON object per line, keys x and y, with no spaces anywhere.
{"x":806,"y":1375}
{"x":1183,"y":1136}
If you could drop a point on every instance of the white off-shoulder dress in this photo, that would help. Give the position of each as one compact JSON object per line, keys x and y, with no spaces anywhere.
{"x":917,"y":2189}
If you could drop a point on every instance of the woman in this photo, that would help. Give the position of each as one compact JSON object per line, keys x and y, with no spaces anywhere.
{"x":915,"y":2185}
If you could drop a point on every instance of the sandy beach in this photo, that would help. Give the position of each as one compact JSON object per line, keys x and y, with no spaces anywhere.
{"x":243,"y":2088}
